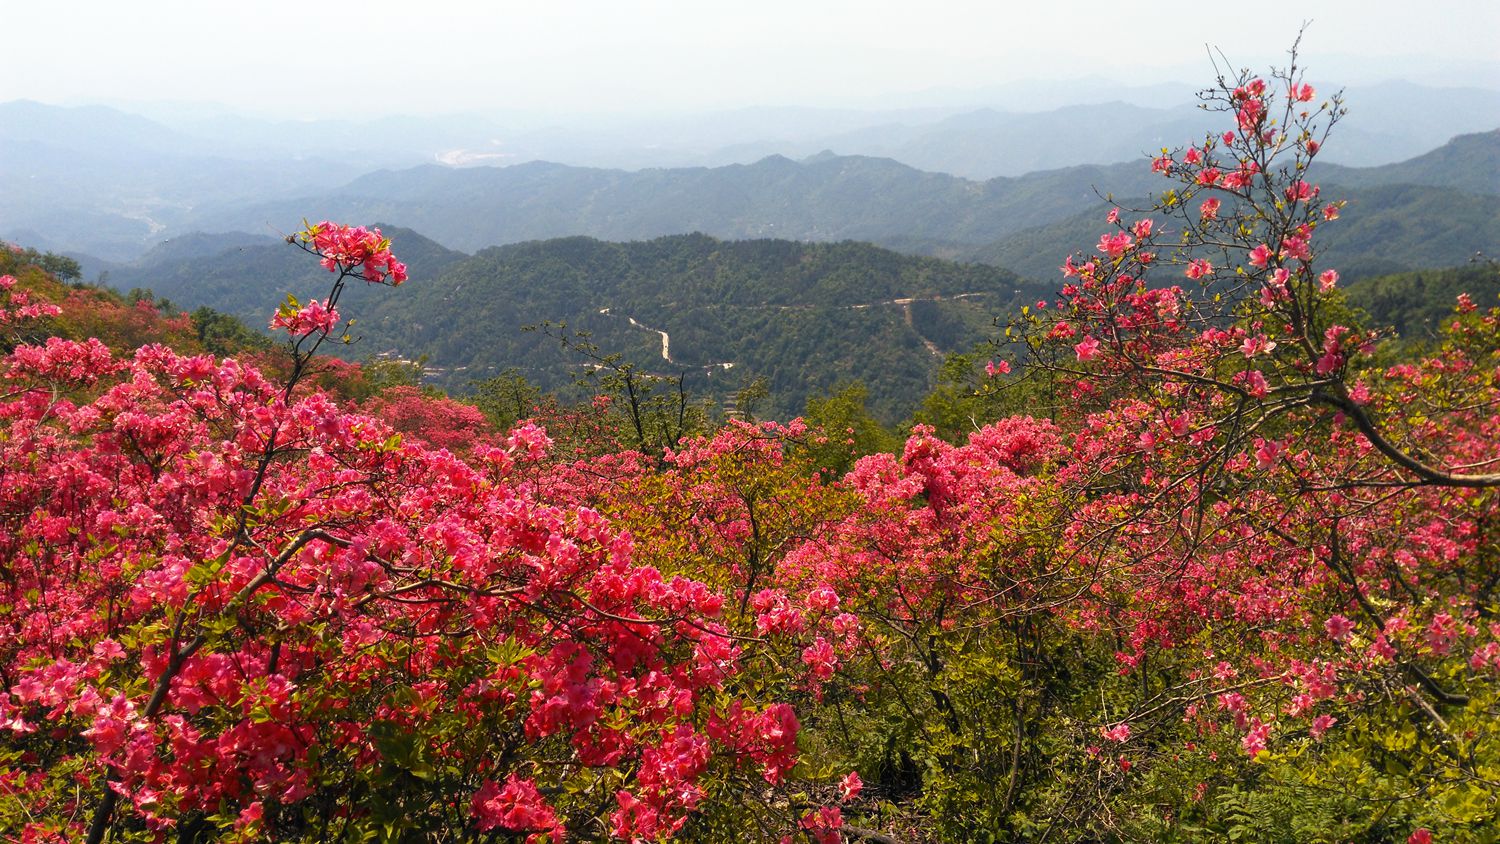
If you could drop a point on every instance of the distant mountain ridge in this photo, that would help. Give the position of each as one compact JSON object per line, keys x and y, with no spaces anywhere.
{"x":108,"y":183}
{"x":825,"y":198}
{"x":822,"y":198}
{"x":1467,"y":162}
{"x":1435,"y":210}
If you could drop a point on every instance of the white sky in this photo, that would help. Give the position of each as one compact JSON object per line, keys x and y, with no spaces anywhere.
{"x":356,"y":58}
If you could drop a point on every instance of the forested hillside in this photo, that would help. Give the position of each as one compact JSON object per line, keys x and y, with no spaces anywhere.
{"x":240,"y":273}
{"x":1417,"y":304}
{"x":808,"y":318}
{"x":1391,"y":228}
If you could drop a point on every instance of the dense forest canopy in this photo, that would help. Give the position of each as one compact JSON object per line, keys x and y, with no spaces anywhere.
{"x":807,"y":318}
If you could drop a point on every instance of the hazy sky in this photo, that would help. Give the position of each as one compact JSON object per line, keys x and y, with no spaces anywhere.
{"x":423,"y":56}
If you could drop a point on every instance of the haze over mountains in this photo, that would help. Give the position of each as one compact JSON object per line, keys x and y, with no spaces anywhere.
{"x":106,"y":183}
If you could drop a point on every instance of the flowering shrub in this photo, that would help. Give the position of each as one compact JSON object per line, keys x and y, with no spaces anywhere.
{"x":236,"y":609}
{"x":1283,"y":529}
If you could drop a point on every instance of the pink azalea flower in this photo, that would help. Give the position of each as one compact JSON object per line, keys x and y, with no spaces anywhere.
{"x":1255,"y":740}
{"x":315,"y":316}
{"x":1250,"y":114}
{"x":1267,"y":452}
{"x":1441,"y":633}
{"x":1321,"y":724}
{"x":823,"y":599}
{"x":1485,"y":657}
{"x":1198,"y":268}
{"x":820,"y":658}
{"x":1255,"y":383}
{"x":850,"y":786}
{"x":1296,"y":246}
{"x":1300,"y":191}
{"x":1338,"y":627}
{"x":1088,"y":349}
{"x":1115,"y":245}
{"x":1257,"y":344}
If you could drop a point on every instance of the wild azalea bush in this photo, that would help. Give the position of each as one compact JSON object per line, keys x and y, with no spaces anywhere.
{"x":236,"y":609}
{"x":1243,"y":587}
{"x":1289,"y":527}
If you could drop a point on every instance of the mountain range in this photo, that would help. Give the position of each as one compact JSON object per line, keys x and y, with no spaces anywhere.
{"x":1433,"y":210}
{"x":108,"y":183}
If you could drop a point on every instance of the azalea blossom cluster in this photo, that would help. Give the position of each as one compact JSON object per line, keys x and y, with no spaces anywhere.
{"x":316,"y":317}
{"x":362,"y":252}
{"x":17,"y":305}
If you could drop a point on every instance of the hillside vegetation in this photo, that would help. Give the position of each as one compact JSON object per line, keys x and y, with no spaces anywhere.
{"x":806,"y":317}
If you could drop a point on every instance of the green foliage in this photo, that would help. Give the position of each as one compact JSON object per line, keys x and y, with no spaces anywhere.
{"x":382,"y":372}
{"x":966,"y":397}
{"x":850,"y":431}
{"x":1416,"y":303}
{"x":61,"y":266}
{"x":222,"y":334}
{"x":1387,"y":229}
{"x":506,"y":398}
{"x":642,"y":411}
{"x":1388,"y":769}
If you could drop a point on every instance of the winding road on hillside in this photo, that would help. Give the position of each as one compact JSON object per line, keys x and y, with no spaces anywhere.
{"x":904,"y":303}
{"x":666,"y":340}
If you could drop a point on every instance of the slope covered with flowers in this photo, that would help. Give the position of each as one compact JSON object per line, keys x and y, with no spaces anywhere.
{"x":1242,"y":586}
